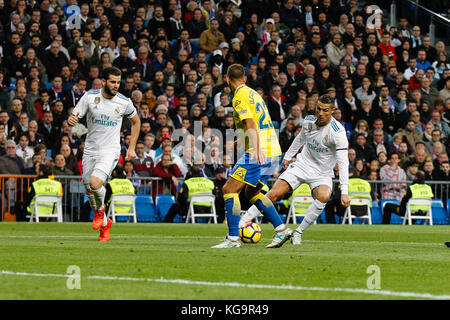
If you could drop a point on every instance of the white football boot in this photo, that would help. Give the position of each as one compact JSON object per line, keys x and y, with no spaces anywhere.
{"x":227,"y":243}
{"x":280,"y":238}
{"x":296,"y":238}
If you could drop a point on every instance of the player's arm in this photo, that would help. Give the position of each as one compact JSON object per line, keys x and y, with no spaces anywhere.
{"x":251,"y":129}
{"x":135,"y":128}
{"x":79,"y":111}
{"x":342,"y":161}
{"x":298,"y":142}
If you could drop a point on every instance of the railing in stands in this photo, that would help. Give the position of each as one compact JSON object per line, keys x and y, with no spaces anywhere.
{"x":435,"y":24}
{"x":15,"y":187}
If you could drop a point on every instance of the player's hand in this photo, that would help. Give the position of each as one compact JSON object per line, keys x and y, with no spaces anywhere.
{"x":260,"y":157}
{"x":285,"y":163}
{"x":73,"y":120}
{"x":345,"y":200}
{"x":131,"y":154}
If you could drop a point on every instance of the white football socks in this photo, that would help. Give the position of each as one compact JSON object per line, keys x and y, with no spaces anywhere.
{"x":251,"y":214}
{"x":92,"y":202}
{"x":99,"y":196}
{"x":312,"y":213}
{"x":105,"y":220}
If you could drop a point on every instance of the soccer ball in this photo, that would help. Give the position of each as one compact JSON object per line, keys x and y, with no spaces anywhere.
{"x":250,"y":233}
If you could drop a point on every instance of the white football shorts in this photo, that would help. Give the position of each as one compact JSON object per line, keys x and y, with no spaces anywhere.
{"x":100,"y":166}
{"x":295,"y":175}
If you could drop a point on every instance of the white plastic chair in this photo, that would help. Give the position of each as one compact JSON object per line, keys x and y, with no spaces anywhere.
{"x":358,"y":201}
{"x":56,"y":203}
{"x":409,"y":216}
{"x":122,"y":198}
{"x":202,"y":198}
{"x":298,"y":202}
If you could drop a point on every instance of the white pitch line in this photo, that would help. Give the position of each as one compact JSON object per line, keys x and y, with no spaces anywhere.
{"x":243,"y":285}
{"x":124,"y":236}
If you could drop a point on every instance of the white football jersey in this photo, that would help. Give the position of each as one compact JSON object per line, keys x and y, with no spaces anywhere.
{"x":321,"y":146}
{"x":104,"y":120}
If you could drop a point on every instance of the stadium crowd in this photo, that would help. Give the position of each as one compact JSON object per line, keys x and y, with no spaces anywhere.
{"x":391,"y":86}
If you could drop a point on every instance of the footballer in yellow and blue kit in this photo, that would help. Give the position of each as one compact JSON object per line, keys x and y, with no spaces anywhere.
{"x":248,"y":104}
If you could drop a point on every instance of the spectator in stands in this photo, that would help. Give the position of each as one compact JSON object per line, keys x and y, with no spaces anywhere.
{"x":419,"y":126}
{"x":411,"y":169}
{"x":422,"y":60}
{"x":142,"y":165}
{"x":335,"y":50}
{"x":169,"y":172}
{"x":429,"y":93}
{"x":365,"y":91}
{"x":412,"y":136}
{"x":60,"y":168}
{"x":128,"y":168}
{"x":392,"y":172}
{"x":412,"y":68}
{"x":71,"y":160}
{"x":415,"y":82}
{"x":10,"y":163}
{"x":431,"y":139}
{"x":440,"y":125}
{"x":287,"y":135}
{"x":23,"y":151}
{"x":54,"y":60}
{"x":277,"y":106}
{"x":430,"y":172}
{"x":379,"y":143}
{"x":363,"y":149}
{"x":211,"y":39}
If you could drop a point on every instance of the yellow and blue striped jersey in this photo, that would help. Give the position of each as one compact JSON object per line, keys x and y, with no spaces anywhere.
{"x":248,"y":104}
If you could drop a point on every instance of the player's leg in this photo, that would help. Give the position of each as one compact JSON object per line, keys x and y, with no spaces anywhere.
{"x":91,"y":198}
{"x":89,"y":163}
{"x":279,"y":189}
{"x":231,"y":191}
{"x":96,"y":182}
{"x":321,"y":194}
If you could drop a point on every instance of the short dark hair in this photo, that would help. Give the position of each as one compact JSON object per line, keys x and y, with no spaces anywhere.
{"x":111,"y":71}
{"x":236,"y":71}
{"x":326,"y":99}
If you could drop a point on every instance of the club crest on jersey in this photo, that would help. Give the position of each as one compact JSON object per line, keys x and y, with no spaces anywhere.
{"x":240,"y":172}
{"x":117,"y":110}
{"x":97,"y":100}
{"x":325,"y":138}
{"x":309,"y":126}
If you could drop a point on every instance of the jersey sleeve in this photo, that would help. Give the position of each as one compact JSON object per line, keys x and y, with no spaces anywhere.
{"x":298,"y":142}
{"x":130,"y":110}
{"x":82,"y":106}
{"x":342,"y":159}
{"x":242,"y":107}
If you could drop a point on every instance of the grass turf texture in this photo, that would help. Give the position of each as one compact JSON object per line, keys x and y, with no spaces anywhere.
{"x":411,"y":259}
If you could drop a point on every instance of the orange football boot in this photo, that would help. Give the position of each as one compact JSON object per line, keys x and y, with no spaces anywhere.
{"x":98,"y":218}
{"x":104,"y":231}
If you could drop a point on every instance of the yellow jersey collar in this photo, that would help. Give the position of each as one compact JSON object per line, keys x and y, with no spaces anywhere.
{"x":238,"y":88}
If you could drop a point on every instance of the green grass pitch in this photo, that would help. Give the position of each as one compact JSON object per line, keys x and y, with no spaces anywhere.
{"x":175,"y":261}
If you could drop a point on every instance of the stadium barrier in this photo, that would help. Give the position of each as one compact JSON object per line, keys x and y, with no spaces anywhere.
{"x":15,"y":187}
{"x":435,"y":24}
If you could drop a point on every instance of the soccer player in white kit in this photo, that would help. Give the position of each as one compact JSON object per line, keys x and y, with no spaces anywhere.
{"x":324,"y":143}
{"x":104,"y":109}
